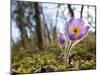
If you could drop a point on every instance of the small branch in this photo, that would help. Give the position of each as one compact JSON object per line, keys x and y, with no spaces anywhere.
{"x":57,"y":14}
{"x":55,"y":27}
{"x":81,"y":11}
{"x":70,"y":10}
{"x":45,"y":24}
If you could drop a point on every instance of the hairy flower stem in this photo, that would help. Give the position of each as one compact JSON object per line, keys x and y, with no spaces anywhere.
{"x":67,"y":52}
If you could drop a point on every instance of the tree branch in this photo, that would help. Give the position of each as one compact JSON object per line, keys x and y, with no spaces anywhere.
{"x":55,"y":27}
{"x":70,"y":10}
{"x":81,"y":11}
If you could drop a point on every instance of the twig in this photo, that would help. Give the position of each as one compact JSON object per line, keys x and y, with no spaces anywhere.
{"x":81,"y":11}
{"x":55,"y":27}
{"x":70,"y":10}
{"x":57,"y":14}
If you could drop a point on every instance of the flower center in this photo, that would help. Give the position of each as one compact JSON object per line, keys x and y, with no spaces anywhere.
{"x":75,"y":30}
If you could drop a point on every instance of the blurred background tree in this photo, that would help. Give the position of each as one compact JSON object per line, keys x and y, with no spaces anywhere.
{"x":38,"y":24}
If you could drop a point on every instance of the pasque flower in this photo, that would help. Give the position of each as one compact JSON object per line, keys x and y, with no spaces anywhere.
{"x":76,"y":29}
{"x":62,"y":38}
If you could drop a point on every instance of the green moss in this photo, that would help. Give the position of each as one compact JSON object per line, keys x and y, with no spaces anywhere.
{"x":88,"y":65}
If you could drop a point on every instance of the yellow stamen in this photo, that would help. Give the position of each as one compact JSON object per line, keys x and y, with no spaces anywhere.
{"x":75,"y":30}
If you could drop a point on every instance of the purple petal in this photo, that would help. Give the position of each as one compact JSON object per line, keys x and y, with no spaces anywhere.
{"x":80,"y":22}
{"x":86,"y":29}
{"x":70,"y":24}
{"x":83,"y":32}
{"x":71,"y":36}
{"x":62,"y":38}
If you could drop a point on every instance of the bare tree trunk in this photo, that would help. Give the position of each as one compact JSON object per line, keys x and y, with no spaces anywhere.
{"x":46,"y":26}
{"x":24,"y":37}
{"x":39,"y":28}
{"x":55,"y":28}
{"x":21,"y":26}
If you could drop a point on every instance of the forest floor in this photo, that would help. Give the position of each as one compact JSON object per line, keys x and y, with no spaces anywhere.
{"x":83,"y":57}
